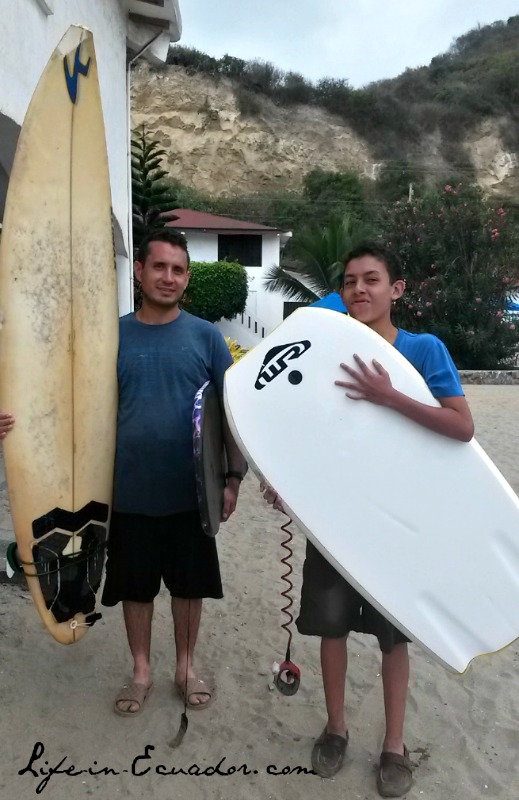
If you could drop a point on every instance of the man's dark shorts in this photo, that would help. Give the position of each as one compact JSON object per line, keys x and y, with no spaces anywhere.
{"x":143,"y":550}
{"x":331,"y":607}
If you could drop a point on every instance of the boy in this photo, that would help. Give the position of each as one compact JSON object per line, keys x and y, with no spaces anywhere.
{"x":330,"y":607}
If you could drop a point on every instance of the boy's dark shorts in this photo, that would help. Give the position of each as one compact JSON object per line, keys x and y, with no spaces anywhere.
{"x":143,"y":550}
{"x":331,"y":607}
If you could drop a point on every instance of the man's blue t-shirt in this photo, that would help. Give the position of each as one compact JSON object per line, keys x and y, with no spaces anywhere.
{"x":431,"y":358}
{"x":160,"y":369}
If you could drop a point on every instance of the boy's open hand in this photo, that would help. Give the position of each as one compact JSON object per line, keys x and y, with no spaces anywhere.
{"x":370,"y":384}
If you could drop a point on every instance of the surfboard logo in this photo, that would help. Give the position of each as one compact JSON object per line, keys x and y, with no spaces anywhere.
{"x":79,"y":69}
{"x":276,"y":362}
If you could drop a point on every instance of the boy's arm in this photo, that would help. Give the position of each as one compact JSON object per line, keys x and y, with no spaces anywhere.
{"x":452,"y":419}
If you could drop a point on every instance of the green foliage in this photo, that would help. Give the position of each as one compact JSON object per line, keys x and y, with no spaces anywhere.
{"x":395,"y":179}
{"x":313,"y":266}
{"x":216,"y":291}
{"x":460,"y":259}
{"x":333,"y":194}
{"x":151,"y":194}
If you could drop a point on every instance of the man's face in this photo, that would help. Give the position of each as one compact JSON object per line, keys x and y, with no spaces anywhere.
{"x":367,"y":291}
{"x":164,"y":275}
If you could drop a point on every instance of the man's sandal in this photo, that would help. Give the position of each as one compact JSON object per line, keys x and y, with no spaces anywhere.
{"x":192,"y":687}
{"x":133,"y":692}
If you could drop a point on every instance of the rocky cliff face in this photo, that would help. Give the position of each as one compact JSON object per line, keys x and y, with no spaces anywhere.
{"x":211,"y":146}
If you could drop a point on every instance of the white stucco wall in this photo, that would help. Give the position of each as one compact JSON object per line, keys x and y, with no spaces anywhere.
{"x":268,"y":306}
{"x":28,"y":36}
{"x":202,"y":246}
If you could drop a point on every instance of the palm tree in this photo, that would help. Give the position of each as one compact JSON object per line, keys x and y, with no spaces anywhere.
{"x":314,"y":267}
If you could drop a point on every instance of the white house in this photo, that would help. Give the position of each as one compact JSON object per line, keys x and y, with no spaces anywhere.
{"x":214,"y":238}
{"x":124,"y":30}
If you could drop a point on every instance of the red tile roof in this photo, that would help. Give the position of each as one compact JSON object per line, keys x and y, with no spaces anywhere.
{"x":185,"y":219}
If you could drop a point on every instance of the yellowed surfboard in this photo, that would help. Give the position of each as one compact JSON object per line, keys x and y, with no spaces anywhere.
{"x":58,"y":344}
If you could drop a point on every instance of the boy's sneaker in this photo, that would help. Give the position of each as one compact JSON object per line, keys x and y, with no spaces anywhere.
{"x":395,"y":775}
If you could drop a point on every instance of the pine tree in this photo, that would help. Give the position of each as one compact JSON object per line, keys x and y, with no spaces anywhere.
{"x":151,"y":195}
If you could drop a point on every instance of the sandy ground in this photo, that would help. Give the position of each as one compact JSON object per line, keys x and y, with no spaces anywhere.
{"x":463,"y":732}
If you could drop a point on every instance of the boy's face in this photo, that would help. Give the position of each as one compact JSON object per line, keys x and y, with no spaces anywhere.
{"x":367,"y":291}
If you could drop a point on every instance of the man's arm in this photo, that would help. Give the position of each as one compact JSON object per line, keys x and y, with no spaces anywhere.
{"x":235,"y":463}
{"x":452,"y":419}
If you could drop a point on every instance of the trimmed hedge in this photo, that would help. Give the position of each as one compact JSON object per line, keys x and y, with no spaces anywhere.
{"x":216,"y":291}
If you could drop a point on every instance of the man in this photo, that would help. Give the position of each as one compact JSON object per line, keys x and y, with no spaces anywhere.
{"x":165,"y":355}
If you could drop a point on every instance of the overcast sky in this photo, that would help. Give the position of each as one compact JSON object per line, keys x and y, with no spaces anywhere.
{"x":361,"y":40}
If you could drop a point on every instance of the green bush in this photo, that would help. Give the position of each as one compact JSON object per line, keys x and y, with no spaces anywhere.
{"x":460,"y":259}
{"x":216,"y":291}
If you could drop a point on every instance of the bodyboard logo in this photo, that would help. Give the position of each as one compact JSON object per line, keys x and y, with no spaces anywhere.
{"x":79,"y":69}
{"x":275,"y":362}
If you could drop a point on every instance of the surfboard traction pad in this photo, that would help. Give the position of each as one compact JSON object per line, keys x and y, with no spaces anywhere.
{"x":209,"y":457}
{"x":69,"y":583}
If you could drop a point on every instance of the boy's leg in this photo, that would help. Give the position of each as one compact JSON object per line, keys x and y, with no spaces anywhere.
{"x":137,"y":618}
{"x":186,"y":616}
{"x":334,"y":663}
{"x":329,"y":749}
{"x":395,"y":680}
{"x":394,"y":776}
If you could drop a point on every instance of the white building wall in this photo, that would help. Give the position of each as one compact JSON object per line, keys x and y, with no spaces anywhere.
{"x":202,"y":246}
{"x":269,"y":305}
{"x":264,"y":309}
{"x":28,"y":37}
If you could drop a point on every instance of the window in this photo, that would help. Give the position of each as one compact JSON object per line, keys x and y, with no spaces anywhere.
{"x":243,"y":248}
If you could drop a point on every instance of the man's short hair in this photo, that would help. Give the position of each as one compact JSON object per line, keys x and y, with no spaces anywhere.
{"x":382,"y":253}
{"x":168,"y":235}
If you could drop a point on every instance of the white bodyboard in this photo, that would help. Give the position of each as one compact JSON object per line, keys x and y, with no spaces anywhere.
{"x":425,"y":527}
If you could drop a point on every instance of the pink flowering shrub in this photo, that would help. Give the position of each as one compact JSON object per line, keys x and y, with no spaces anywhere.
{"x":461,"y":261}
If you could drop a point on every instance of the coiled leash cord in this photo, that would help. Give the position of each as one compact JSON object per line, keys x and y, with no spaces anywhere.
{"x":288,"y":677}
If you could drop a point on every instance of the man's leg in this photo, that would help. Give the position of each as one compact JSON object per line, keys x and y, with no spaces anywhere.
{"x":186,"y":617}
{"x":395,"y":680}
{"x":137,"y":618}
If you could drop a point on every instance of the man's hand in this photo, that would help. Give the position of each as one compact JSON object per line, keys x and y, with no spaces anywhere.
{"x":272,"y":497}
{"x":6,"y":423}
{"x":373,"y":385}
{"x":230,"y":498}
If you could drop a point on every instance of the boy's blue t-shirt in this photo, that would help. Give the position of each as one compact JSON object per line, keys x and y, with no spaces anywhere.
{"x":160,"y":369}
{"x":431,"y":358}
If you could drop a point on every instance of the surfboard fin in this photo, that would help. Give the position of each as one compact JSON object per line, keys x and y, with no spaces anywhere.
{"x":12,"y":563}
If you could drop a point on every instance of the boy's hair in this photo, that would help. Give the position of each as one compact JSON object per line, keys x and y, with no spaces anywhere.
{"x":381,"y":253}
{"x":167,"y":235}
